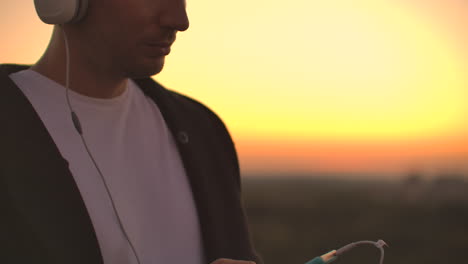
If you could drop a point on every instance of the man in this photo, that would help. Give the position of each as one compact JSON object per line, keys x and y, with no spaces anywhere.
{"x":141,"y":175}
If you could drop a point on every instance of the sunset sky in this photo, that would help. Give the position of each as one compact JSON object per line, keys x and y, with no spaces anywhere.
{"x":314,"y":86}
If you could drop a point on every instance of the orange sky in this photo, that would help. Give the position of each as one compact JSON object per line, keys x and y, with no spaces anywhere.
{"x":398,"y":157}
{"x":341,"y":86}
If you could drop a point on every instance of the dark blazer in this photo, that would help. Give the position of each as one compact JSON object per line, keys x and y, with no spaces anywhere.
{"x":43,"y":219}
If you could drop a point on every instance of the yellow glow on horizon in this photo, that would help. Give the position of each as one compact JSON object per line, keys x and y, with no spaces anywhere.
{"x":322,"y":69}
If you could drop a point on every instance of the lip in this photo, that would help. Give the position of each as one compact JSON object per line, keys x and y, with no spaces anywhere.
{"x":160,"y":44}
{"x":159,"y":48}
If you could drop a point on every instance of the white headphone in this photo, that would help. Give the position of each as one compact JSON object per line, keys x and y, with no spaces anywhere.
{"x":61,"y":11}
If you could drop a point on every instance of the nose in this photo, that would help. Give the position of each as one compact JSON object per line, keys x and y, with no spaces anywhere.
{"x":175,"y":17}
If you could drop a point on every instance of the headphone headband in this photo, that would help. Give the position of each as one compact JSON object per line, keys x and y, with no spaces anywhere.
{"x":61,"y":11}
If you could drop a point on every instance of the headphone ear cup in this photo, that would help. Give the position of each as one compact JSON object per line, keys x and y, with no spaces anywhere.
{"x":60,"y":11}
{"x":81,"y":12}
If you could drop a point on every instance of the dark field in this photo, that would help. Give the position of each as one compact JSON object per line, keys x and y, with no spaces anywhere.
{"x":294,"y":220}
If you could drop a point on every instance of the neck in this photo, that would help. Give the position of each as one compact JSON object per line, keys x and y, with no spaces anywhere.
{"x":85,"y":78}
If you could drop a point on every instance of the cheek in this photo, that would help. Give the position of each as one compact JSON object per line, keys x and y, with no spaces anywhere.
{"x":126,"y":16}
{"x":133,"y":10}
{"x":117,"y":27}
{"x":121,"y":14}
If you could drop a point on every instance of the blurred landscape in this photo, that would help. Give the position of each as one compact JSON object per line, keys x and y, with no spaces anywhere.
{"x":424,"y":221}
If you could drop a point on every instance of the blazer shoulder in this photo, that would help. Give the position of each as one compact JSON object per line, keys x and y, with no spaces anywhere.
{"x":196,"y":105}
{"x":174,"y":102}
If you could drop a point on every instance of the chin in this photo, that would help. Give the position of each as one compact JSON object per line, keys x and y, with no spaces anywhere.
{"x":149,"y":68}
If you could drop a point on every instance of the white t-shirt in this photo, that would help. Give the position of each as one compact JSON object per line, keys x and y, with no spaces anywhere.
{"x":136,"y":153}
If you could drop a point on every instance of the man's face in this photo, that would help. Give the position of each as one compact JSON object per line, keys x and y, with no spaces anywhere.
{"x":132,"y":37}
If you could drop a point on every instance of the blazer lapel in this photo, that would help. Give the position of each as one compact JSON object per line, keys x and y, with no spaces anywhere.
{"x":39,"y":182}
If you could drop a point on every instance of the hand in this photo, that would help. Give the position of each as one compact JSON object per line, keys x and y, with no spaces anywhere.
{"x":231,"y":261}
